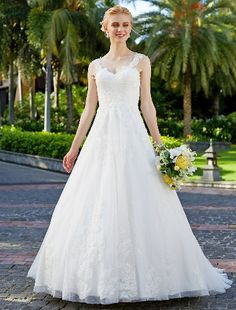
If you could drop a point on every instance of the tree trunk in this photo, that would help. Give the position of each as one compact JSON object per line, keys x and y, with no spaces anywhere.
{"x":69,"y":107}
{"x":20,"y":88}
{"x":216,"y":105}
{"x":11,"y":93}
{"x":48,"y":86}
{"x":56,"y":88}
{"x":31,"y":98}
{"x":187,"y":104}
{"x":0,"y":112}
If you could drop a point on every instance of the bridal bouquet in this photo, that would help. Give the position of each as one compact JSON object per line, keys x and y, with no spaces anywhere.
{"x":175,"y":164}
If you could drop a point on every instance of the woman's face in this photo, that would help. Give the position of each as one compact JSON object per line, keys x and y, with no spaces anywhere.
{"x":119,"y":27}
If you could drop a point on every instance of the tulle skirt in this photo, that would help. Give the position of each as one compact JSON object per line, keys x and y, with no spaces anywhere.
{"x":118,"y":233}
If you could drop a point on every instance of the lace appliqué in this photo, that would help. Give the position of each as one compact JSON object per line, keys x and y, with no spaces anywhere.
{"x":96,"y":67}
{"x":136,"y":60}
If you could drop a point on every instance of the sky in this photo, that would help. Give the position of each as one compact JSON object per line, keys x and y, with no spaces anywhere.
{"x":138,"y":7}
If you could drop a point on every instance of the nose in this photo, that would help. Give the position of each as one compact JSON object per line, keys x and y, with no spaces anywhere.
{"x":120,"y":28}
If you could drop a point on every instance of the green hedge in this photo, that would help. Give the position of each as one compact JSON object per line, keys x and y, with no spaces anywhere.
{"x":218,"y":128}
{"x":169,"y":142}
{"x":54,"y":145}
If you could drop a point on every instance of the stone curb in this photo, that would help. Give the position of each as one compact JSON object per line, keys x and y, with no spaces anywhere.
{"x":216,"y":184}
{"x":32,"y":161}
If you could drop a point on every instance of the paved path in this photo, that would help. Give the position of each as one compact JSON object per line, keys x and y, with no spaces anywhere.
{"x":27,"y":198}
{"x":16,"y":174}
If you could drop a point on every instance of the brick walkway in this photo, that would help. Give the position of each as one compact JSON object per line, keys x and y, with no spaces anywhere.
{"x":27,"y":199}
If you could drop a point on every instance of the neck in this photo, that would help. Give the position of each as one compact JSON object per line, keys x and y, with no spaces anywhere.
{"x":118,"y":50}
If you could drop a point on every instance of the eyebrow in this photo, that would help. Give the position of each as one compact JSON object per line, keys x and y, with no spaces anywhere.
{"x":121,"y":23}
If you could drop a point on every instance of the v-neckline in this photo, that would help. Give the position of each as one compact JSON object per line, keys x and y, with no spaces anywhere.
{"x":122,"y":67}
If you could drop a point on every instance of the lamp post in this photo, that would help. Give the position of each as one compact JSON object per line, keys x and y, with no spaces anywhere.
{"x":211,"y":171}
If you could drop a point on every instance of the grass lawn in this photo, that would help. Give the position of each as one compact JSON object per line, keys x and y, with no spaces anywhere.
{"x":226,"y":162}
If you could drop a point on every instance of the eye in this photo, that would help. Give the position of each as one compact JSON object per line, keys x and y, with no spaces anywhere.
{"x":117,"y":25}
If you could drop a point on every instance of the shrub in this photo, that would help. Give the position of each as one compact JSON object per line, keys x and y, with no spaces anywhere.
{"x":54,"y":145}
{"x":219,"y":128}
{"x":170,"y":127}
{"x":232,"y":117}
{"x":169,"y":142}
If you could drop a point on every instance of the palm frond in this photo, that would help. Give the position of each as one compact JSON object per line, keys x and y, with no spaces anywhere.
{"x":68,"y":53}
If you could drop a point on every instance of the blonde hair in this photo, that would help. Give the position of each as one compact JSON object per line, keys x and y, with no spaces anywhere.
{"x":117,"y":9}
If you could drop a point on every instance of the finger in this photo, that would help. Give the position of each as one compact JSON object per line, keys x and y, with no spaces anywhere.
{"x":64,"y":160}
{"x":65,"y":165}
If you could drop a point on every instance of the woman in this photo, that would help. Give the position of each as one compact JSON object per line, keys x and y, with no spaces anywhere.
{"x":118,"y":233}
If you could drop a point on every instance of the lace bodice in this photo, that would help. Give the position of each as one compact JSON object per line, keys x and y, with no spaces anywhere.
{"x":121,"y":88}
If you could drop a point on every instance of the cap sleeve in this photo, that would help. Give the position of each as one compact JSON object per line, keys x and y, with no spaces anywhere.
{"x":137,"y":58}
{"x":95,"y":67}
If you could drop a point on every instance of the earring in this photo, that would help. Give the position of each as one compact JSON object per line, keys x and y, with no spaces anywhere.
{"x":107,"y":34}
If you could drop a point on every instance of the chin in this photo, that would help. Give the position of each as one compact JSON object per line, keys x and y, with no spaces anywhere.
{"x":122,"y":38}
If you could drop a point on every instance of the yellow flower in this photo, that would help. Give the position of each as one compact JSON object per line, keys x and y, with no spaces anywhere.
{"x":167,"y":179}
{"x":182,"y":162}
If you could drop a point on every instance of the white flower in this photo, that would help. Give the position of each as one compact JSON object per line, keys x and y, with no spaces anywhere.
{"x":158,"y":165}
{"x":167,"y":162}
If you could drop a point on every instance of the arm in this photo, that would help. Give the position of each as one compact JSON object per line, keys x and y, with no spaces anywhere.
{"x":85,"y":120}
{"x":88,"y":112}
{"x":147,"y":106}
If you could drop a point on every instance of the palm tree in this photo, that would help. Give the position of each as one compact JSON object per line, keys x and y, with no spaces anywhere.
{"x":50,"y":27}
{"x":223,"y":83}
{"x":13,"y":17}
{"x":186,"y":40}
{"x":30,"y":67}
{"x":61,"y":29}
{"x":41,"y":33}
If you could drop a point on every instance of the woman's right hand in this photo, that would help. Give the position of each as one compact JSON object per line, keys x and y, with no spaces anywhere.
{"x":69,"y":160}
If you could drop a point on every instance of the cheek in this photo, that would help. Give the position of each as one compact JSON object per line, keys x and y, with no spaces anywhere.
{"x":111,"y":29}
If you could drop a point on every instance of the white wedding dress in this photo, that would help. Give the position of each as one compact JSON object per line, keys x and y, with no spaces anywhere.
{"x":118,"y":233}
